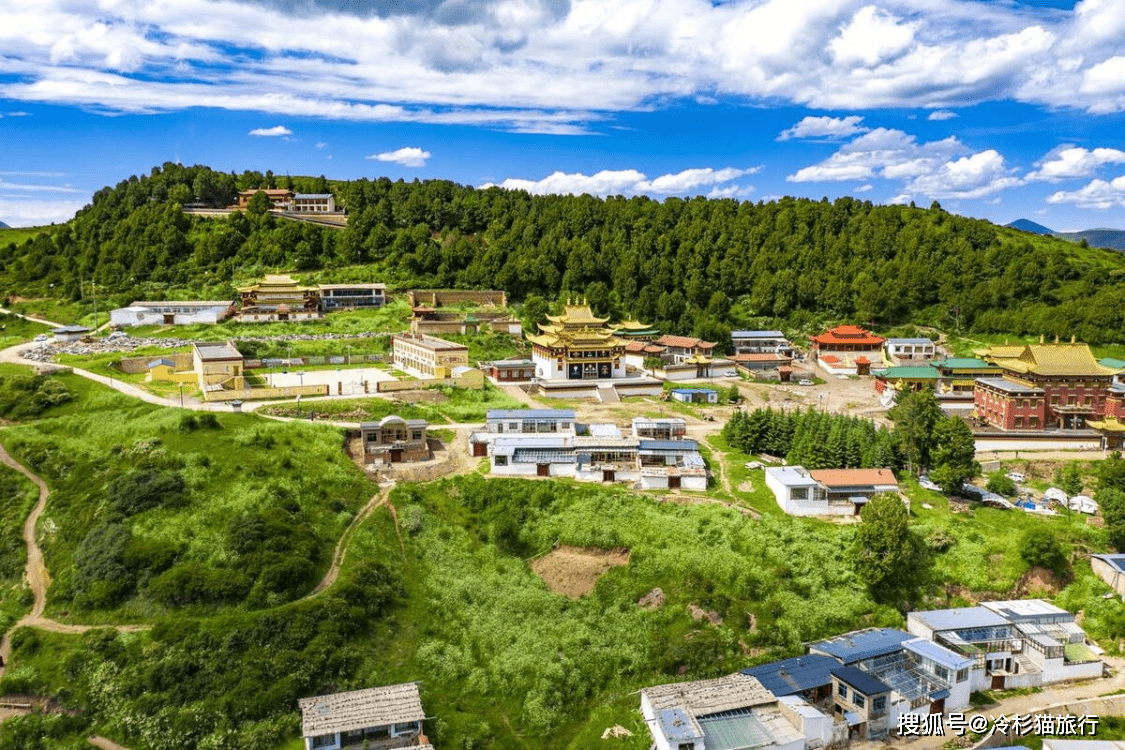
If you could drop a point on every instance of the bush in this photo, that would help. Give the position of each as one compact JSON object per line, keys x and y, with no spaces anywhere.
{"x":139,"y":491}
{"x":191,"y":583}
{"x":1001,"y":484}
{"x":1039,"y":546}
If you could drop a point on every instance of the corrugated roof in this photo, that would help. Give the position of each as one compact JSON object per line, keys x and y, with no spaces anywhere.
{"x":678,"y":725}
{"x":915,"y":342}
{"x":863,"y":644}
{"x":962,"y":363}
{"x":703,"y":697}
{"x":757,"y":335}
{"x":796,"y":675}
{"x":907,"y":371}
{"x":860,"y":680}
{"x":684,"y":342}
{"x":358,"y":709}
{"x":225,"y":350}
{"x":1008,"y":386}
{"x":1027,"y":609}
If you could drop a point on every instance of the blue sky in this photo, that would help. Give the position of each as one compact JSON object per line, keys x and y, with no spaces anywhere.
{"x":999,"y":109}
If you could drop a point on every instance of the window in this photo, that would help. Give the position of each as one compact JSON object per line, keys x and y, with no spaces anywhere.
{"x":1019,"y":421}
{"x":858,"y":699}
{"x":501,"y":460}
{"x":415,"y":434}
{"x":879,"y":704}
{"x":324,"y":740}
{"x":687,"y":746}
{"x":962,"y":675}
{"x":941,"y":672}
{"x":843,"y":690}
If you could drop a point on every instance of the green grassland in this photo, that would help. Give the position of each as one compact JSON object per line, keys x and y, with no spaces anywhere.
{"x":17,"y":497}
{"x":155,"y":509}
{"x":19,"y":235}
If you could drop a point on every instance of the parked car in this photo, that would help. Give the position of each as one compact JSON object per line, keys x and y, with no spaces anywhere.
{"x":805,"y":381}
{"x":1016,"y":476}
{"x":118,"y":335}
{"x":42,"y":337}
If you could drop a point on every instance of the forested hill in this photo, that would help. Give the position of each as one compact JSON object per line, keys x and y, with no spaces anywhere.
{"x":693,"y":266}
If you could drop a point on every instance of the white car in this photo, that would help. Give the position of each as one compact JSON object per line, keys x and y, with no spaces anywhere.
{"x":41,"y":338}
{"x":118,"y":335}
{"x":805,"y":381}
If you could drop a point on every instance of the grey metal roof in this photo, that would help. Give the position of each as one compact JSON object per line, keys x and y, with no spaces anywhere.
{"x":863,"y":644}
{"x":359,"y":709}
{"x":796,"y":675}
{"x":71,"y":329}
{"x":531,"y":414}
{"x":860,"y":680}
{"x":1008,"y":386}
{"x":678,"y":726}
{"x":1016,"y":610}
{"x":959,"y":618}
{"x":312,"y":195}
{"x":757,"y":335}
{"x":917,"y":342}
{"x":224,"y":350}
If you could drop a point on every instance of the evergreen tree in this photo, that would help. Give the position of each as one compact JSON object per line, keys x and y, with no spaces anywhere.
{"x":889,"y":557}
{"x":915,"y":414}
{"x":953,"y":455}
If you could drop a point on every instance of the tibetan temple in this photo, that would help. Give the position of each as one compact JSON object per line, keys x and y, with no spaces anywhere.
{"x":279,"y":298}
{"x":578,"y":345}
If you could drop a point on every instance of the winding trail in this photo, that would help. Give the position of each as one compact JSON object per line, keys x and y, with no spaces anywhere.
{"x":36,"y":571}
{"x":377,"y":500}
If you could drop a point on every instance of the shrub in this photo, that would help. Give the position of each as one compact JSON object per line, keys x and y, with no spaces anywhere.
{"x":1001,"y":484}
{"x":139,"y":491}
{"x":1039,"y":546}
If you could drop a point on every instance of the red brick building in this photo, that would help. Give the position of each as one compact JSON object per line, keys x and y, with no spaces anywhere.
{"x":1043,"y":386}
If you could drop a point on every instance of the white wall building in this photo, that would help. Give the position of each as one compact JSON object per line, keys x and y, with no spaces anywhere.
{"x":827,"y":492}
{"x":171,"y":313}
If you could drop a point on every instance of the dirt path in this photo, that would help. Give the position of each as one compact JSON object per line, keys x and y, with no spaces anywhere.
{"x":377,"y":500}
{"x":37,"y":576}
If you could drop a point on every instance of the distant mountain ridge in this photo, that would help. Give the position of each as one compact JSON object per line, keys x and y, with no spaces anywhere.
{"x":1113,"y":239}
{"x":4,"y":226}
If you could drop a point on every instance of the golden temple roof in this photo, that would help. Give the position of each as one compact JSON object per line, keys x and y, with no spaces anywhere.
{"x":577,"y":315}
{"x":1109,"y":424}
{"x":1047,"y":359}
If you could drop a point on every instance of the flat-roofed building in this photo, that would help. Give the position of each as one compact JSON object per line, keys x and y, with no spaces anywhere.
{"x":760,"y":342}
{"x":172,"y":312}
{"x":279,"y":197}
{"x":343,"y":296}
{"x":428,"y":356}
{"x":827,"y":492}
{"x":393,"y":439}
{"x":902,"y":351}
{"x":313,"y":203}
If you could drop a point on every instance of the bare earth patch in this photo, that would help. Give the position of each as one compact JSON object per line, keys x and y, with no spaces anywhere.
{"x":573,"y":571}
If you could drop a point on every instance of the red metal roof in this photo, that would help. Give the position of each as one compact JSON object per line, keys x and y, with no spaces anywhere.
{"x":853,"y":477}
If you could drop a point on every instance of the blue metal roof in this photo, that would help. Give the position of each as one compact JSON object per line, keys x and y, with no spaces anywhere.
{"x":860,"y":680}
{"x":693,"y":390}
{"x":678,"y":726}
{"x":531,"y":414}
{"x":669,"y":445}
{"x":863,"y":644}
{"x":939,"y":654}
{"x":757,"y":334}
{"x":796,"y":675}
{"x":1115,"y":561}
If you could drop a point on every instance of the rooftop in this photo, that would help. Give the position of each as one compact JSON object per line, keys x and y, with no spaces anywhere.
{"x":1009,"y":386}
{"x":915,"y":342}
{"x":668,"y":445}
{"x":358,"y":709}
{"x":704,"y":697}
{"x":531,"y":414}
{"x":182,"y":303}
{"x":962,"y":363}
{"x":863,"y":644}
{"x":959,"y":618}
{"x":1023,"y":609}
{"x":757,"y":335}
{"x":860,"y":680}
{"x":937,"y":653}
{"x":685,"y":342}
{"x":791,"y":476}
{"x":796,"y":675}
{"x":225,"y":350}
{"x":916,"y":372}
{"x":1115,"y":561}
{"x":854,"y":477}
{"x":1071,"y":359}
{"x":433,"y":343}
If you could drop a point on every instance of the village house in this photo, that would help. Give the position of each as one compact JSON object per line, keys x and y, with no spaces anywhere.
{"x":382,"y":717}
{"x":760,"y":342}
{"x":172,"y":313}
{"x":906,"y":351}
{"x":660,"y":428}
{"x":510,"y":370}
{"x":759,"y":362}
{"x":521,"y":422}
{"x":218,"y":366}
{"x":393,"y":439}
{"x":312,"y":203}
{"x":428,"y":356}
{"x":1043,"y":385}
{"x":70,"y":333}
{"x":827,"y":492}
{"x":729,"y":712}
{"x":694,"y":395}
{"x":1021,"y":643}
{"x":280,"y":198}
{"x":278,"y":298}
{"x":351,"y":296}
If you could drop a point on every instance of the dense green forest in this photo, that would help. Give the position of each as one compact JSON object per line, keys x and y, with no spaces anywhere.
{"x":694,"y":266}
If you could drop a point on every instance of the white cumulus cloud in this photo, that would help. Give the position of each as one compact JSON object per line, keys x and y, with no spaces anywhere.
{"x":1071,"y":162}
{"x":634,"y":182}
{"x":941,"y":114}
{"x":825,"y":127}
{"x":275,"y":132}
{"x":408,"y":156}
{"x":1100,"y":194}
